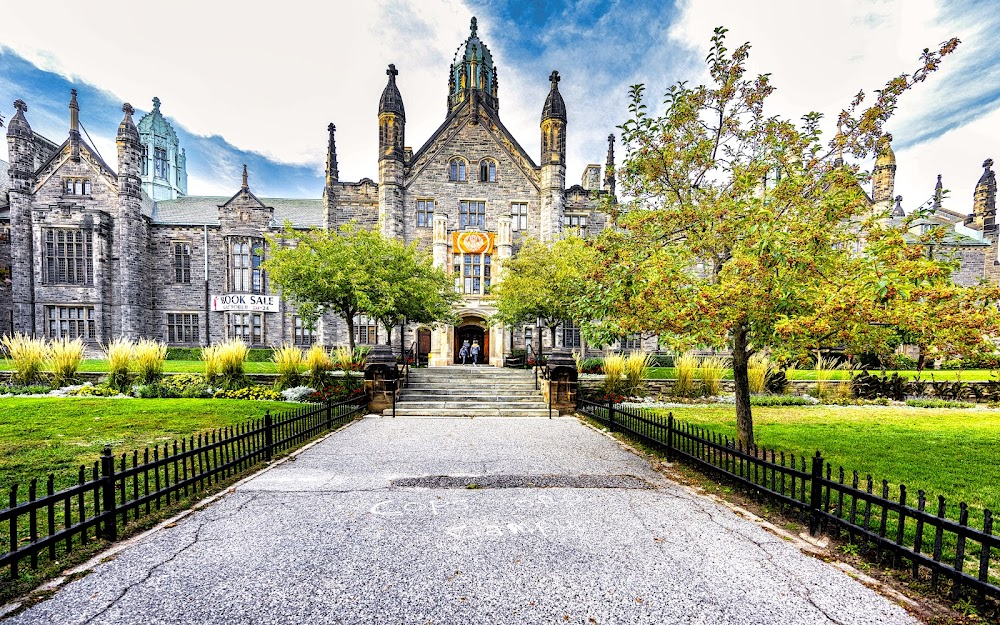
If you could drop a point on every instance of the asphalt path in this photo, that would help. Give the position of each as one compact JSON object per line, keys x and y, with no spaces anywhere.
{"x":486,"y":520}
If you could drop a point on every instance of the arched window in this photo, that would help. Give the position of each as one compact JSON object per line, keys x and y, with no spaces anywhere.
{"x":487,"y":171}
{"x":456,"y":170}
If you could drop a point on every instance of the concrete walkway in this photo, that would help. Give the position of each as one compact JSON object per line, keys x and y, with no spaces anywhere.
{"x":538,"y":521}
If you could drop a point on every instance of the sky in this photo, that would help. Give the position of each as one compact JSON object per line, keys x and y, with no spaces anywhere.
{"x":255,"y":83}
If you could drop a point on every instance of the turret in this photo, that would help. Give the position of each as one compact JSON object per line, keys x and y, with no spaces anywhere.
{"x":472,"y":75}
{"x":884,"y":174}
{"x":74,"y":127}
{"x":21,"y":152}
{"x":130,"y":240}
{"x":984,"y":202}
{"x":391,"y":124}
{"x":330,"y":192}
{"x":21,"y":149}
{"x":553,"y":128}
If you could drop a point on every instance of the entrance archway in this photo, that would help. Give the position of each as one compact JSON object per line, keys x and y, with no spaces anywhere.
{"x":472,"y":333}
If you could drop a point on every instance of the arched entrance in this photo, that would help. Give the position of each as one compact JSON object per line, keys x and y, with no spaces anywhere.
{"x":472,"y":331}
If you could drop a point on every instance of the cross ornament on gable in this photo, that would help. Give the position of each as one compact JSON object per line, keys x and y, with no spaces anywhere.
{"x":554,"y":77}
{"x":391,"y":72}
{"x":988,"y":163}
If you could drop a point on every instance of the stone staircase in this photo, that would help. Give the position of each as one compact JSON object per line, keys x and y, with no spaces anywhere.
{"x":469,"y":391}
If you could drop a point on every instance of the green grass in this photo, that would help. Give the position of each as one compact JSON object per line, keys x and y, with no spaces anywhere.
{"x":954,"y":452}
{"x":97,"y":365}
{"x":969,"y":375}
{"x":39,"y":436}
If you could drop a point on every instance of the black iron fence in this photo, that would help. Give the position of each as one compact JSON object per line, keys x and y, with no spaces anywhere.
{"x":885,"y":525}
{"x":115,"y":491}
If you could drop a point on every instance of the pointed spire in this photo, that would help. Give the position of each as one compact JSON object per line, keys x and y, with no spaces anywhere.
{"x":127,"y":130}
{"x":246,"y":187}
{"x":74,"y":126}
{"x":332,"y":173}
{"x":555,"y":107}
{"x":609,"y":166}
{"x":473,"y":26}
{"x":938,"y":194}
{"x":18,"y":125}
{"x":156,"y":104}
{"x":392,"y":101}
{"x":984,"y":205}
{"x":897,"y":210}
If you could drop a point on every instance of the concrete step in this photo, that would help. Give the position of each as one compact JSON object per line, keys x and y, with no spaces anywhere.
{"x":489,"y":411}
{"x":458,"y":393}
{"x":471,"y":404}
{"x":506,"y":386}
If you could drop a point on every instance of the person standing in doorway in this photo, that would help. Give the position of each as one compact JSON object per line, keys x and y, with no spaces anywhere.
{"x":463,"y":353}
{"x":475,"y":353}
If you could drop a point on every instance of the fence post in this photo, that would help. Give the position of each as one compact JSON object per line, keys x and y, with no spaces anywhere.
{"x":816,"y":494}
{"x":110,"y":513}
{"x":611,"y":413}
{"x":329,"y":413}
{"x":670,"y":436}
{"x":550,"y":397}
{"x":394,"y":399}
{"x":268,"y":436}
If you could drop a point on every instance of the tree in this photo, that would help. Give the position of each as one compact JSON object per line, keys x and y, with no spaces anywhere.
{"x":746,"y":231}
{"x":542,"y":282}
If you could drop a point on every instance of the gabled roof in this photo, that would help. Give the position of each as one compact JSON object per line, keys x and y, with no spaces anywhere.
{"x":204,"y":210}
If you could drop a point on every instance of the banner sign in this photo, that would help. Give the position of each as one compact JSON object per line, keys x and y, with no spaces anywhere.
{"x":472,"y":242}
{"x":246,"y":302}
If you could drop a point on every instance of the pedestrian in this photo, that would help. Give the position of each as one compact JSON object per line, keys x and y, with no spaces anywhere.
{"x":475,"y":353}
{"x":464,"y":352}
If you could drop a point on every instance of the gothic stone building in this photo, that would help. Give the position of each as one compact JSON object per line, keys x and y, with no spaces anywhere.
{"x":97,"y":251}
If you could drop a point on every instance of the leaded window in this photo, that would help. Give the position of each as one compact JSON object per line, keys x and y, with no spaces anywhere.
{"x":182,"y":262}
{"x":182,"y":328}
{"x":245,"y":325}
{"x":77,"y":186}
{"x":365,"y":330}
{"x":473,"y":273}
{"x":161,"y":166}
{"x":472,"y":215}
{"x":301,"y":333}
{"x":487,"y":171}
{"x":456,"y":170}
{"x":632,"y":341}
{"x":69,"y":256}
{"x":576,"y":224}
{"x":571,"y":334}
{"x":70,"y":322}
{"x":245,"y":258}
{"x":425,"y":213}
{"x":519,"y":216}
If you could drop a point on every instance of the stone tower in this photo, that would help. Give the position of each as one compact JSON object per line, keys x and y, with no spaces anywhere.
{"x":984,"y":201}
{"x":472,"y":75}
{"x":164,"y":163}
{"x":609,"y":167}
{"x":130,"y":241}
{"x":553,"y":178}
{"x":21,"y":150}
{"x":391,"y":136}
{"x":884,"y":174}
{"x":330,"y":194}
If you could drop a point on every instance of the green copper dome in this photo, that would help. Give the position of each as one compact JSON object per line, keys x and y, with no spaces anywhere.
{"x":473,"y":70}
{"x":155,"y":123}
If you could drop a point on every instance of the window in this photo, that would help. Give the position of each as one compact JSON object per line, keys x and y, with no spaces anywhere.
{"x":70,"y":322}
{"x":145,"y":161}
{"x":576,"y":224}
{"x":425,"y":213}
{"x":519,"y":216}
{"x":182,"y":327}
{"x":69,"y":257}
{"x":456,"y":170}
{"x":571,"y":334}
{"x":529,"y":333}
{"x":487,"y":171}
{"x":365,"y":330}
{"x":472,"y":273}
{"x":182,"y":263}
{"x":472,"y":215}
{"x":161,"y":167}
{"x":301,"y":333}
{"x":77,"y":186}
{"x":632,"y":341}
{"x":245,"y":258}
{"x":246,"y":326}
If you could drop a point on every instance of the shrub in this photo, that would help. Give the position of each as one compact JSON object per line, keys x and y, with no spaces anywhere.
{"x":661,"y":360}
{"x":824,"y":369}
{"x":91,"y":390}
{"x":33,"y":389}
{"x":938,"y":403}
{"x":344,"y":359}
{"x":318,"y":365}
{"x":685,"y":367}
{"x":210,"y":354}
{"x":591,"y":365}
{"x":154,"y":390}
{"x":186,"y":384}
{"x":710,"y":371}
{"x":636,"y":367}
{"x":119,"y":353}
{"x":230,"y":357}
{"x":183,"y":353}
{"x":65,"y":357}
{"x":614,"y":374}
{"x":288,"y":363}
{"x":147,"y":360}
{"x":259,"y":393}
{"x":297,"y":393}
{"x":28,"y":355}
{"x":259,"y":354}
{"x":781,"y":400}
{"x":760,"y":369}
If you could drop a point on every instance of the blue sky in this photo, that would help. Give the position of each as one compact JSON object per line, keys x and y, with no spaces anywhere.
{"x":244,"y":83}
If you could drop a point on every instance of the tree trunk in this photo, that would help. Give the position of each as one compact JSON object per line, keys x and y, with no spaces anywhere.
{"x":744,"y":420}
{"x":552,"y":336}
{"x":350,"y":331}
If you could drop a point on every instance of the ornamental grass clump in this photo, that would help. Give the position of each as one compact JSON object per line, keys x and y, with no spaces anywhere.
{"x":230,"y":357}
{"x":685,"y":367}
{"x":345,"y":359}
{"x":614,"y":374}
{"x":288,"y":363}
{"x":710,"y":371}
{"x":148,"y":356}
{"x":29,"y":357}
{"x":318,"y":366}
{"x":636,"y":367}
{"x":760,"y":369}
{"x":824,"y":370}
{"x":119,"y":352}
{"x":210,"y":355}
{"x":65,"y":357}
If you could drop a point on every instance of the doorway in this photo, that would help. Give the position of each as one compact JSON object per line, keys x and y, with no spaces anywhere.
{"x":472,"y":334}
{"x":423,"y":346}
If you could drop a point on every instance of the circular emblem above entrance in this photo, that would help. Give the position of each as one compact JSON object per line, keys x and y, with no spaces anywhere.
{"x":473,"y":242}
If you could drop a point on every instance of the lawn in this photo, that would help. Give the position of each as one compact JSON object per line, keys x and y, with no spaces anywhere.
{"x":940,"y":375}
{"x":955,"y":453}
{"x":39,"y":436}
{"x":169,"y":366}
